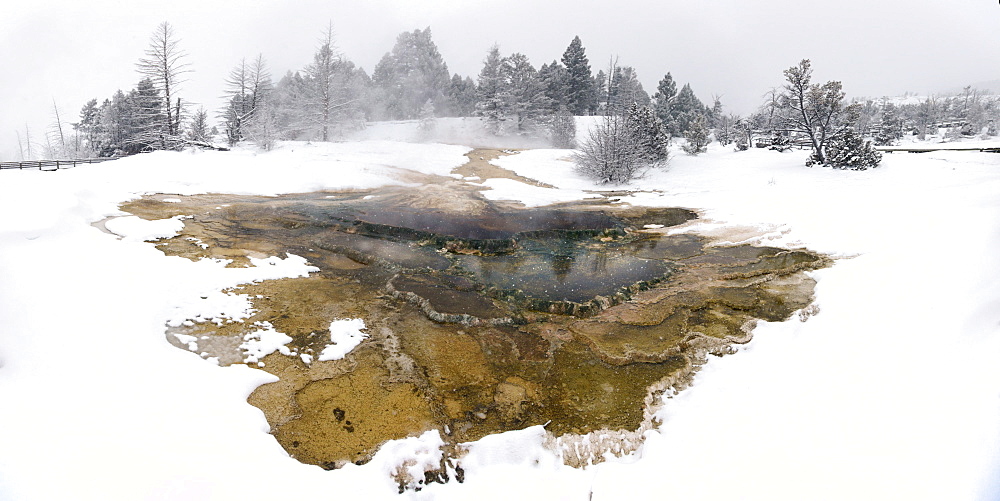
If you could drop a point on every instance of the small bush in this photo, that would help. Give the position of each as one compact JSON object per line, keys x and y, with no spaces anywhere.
{"x":851,"y":151}
{"x":562,"y":130}
{"x":611,"y":154}
{"x":697,"y":136}
{"x":621,"y":147}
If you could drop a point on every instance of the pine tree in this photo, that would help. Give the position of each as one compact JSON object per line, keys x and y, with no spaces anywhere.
{"x":198,"y":131}
{"x":89,"y":125}
{"x":850,"y":151}
{"x":602,"y":89}
{"x":743,"y":128}
{"x":554,"y":79}
{"x":663,"y":103}
{"x":527,"y":99}
{"x":926,"y":116}
{"x":461,"y":97}
{"x":696,"y":135}
{"x":563,"y":129}
{"x":428,"y":120}
{"x":686,"y":109}
{"x":625,"y":89}
{"x":410,"y":74}
{"x":580,"y":93}
{"x":289,"y":103}
{"x":715,"y":114}
{"x":145,"y":115}
{"x":493,"y":103}
{"x":650,"y":135}
{"x":890,"y":128}
{"x":113,"y":124}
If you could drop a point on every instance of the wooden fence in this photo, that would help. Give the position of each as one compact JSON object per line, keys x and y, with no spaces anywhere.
{"x":927,"y":149}
{"x":52,"y":164}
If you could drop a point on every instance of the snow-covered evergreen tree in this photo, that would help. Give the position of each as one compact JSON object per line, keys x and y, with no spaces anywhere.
{"x":627,"y":88}
{"x":580,"y":95}
{"x":527,"y":102}
{"x":461,"y":97}
{"x":554,"y":79}
{"x":743,"y":128}
{"x":288,"y":101}
{"x":428,"y":119}
{"x":650,"y":135}
{"x":145,"y":119}
{"x":493,"y":103}
{"x":696,"y":135}
{"x":686,"y":109}
{"x":851,"y":151}
{"x":562,"y":129}
{"x":725,"y":130}
{"x":715,"y":113}
{"x":663,"y":103}
{"x":198,"y":130}
{"x":602,"y":84}
{"x":410,"y":74}
{"x":88,"y":128}
{"x":926,"y":117}
{"x":890,"y":128}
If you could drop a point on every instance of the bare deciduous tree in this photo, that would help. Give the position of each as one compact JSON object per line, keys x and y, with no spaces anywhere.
{"x":163,"y":65}
{"x":326,"y":92}
{"x":248,"y":85}
{"x":611,"y":154}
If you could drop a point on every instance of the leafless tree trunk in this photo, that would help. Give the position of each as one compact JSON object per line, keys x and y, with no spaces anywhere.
{"x":163,"y":65}
{"x":328,"y":80}
{"x":248,"y":88}
{"x":27,"y":143}
{"x":20,"y":147}
{"x":59,"y":127}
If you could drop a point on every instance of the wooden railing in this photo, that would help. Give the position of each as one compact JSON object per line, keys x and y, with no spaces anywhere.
{"x":53,"y":164}
{"x":926,"y":149}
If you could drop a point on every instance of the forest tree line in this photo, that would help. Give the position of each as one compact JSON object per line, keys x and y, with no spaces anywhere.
{"x":332,"y":96}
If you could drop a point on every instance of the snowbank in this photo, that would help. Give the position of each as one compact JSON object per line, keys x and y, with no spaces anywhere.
{"x":891,"y":391}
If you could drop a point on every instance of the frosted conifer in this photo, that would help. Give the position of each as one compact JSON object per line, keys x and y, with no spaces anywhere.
{"x":580,"y":95}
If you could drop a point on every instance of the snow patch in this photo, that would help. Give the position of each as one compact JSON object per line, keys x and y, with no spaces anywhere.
{"x":345,"y":335}
{"x":136,"y":229}
{"x":263,"y":342}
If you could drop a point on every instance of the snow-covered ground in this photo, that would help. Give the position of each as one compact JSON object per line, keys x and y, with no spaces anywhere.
{"x":890,"y":391}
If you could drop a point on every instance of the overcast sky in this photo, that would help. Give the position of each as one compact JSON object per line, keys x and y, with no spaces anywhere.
{"x":70,"y":51}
